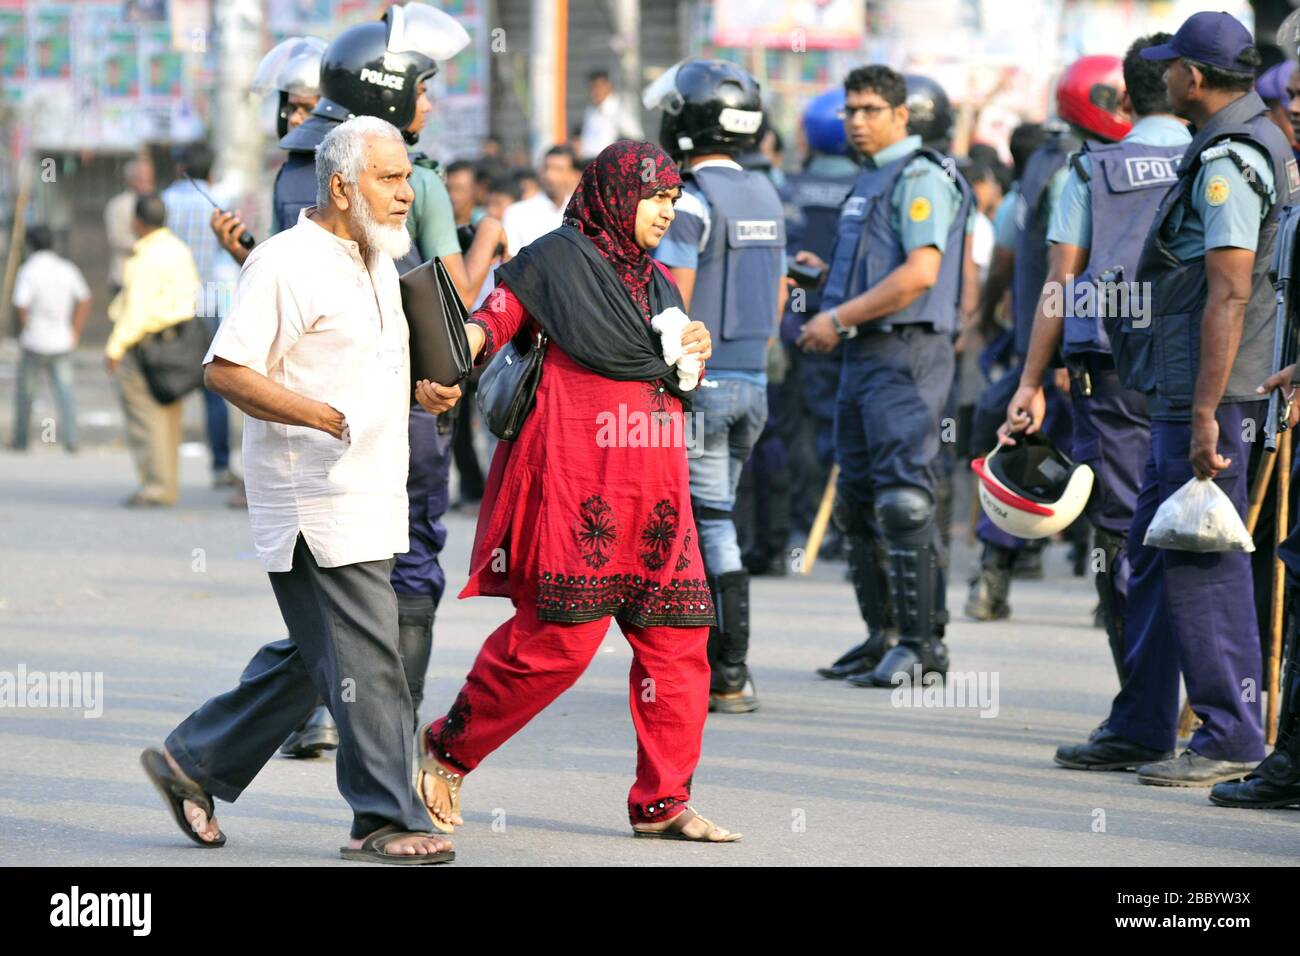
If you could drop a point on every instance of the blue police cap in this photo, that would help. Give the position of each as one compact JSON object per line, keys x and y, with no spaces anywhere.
{"x":1215,"y":39}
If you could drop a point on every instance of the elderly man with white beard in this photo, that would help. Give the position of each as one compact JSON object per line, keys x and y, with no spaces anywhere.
{"x":314,"y":352}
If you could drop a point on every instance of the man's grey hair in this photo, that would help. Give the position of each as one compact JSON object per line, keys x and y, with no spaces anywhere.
{"x":343,"y":151}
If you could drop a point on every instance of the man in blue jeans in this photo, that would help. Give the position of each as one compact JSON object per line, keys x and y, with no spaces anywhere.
{"x":726,"y":249}
{"x":188,"y":215}
{"x":53,"y":304}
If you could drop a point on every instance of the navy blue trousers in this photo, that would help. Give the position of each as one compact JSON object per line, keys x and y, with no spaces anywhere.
{"x":893,"y":387}
{"x":418,"y":572}
{"x":1192,"y":615}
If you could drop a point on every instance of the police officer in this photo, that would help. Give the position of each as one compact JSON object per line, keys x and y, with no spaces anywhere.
{"x":1087,"y":105}
{"x":1199,"y":351}
{"x":291,"y":70}
{"x":726,"y":250}
{"x":891,"y":296}
{"x":1098,"y":223}
{"x":381,"y":68}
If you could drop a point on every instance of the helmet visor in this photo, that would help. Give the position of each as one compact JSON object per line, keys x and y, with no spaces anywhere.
{"x":662,"y":93}
{"x":1288,"y":35}
{"x":291,"y":66}
{"x":420,"y":28}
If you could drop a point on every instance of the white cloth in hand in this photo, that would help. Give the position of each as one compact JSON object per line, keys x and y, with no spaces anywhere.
{"x":670,"y":323}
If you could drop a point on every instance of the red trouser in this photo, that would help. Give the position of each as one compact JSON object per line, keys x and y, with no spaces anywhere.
{"x":526,"y":663}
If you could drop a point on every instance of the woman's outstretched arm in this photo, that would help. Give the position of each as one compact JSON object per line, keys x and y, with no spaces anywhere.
{"x":496,"y":322}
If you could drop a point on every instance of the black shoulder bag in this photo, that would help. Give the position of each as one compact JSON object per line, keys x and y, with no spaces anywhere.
{"x":172,"y":359}
{"x":508,"y":386}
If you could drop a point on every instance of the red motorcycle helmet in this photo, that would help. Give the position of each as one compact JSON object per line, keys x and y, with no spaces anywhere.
{"x":1088,"y":96}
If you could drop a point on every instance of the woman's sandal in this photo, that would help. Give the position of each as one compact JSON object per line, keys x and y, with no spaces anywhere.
{"x":677,"y":826}
{"x":451,"y":779}
{"x":175,"y":791}
{"x":372,"y":850}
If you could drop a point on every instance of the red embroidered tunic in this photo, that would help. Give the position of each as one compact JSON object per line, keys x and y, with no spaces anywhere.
{"x":588,"y":511}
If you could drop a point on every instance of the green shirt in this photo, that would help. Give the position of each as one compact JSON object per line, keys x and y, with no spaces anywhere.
{"x":432,"y":223}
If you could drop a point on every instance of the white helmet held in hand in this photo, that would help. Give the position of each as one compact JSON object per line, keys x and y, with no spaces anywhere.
{"x":1030,"y":489}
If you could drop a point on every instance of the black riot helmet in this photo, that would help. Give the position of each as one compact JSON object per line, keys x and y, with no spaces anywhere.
{"x":929,"y":112}
{"x":376,"y":68}
{"x":709,"y":106}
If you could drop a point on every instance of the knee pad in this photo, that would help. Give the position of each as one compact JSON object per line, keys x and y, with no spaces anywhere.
{"x":906,"y":514}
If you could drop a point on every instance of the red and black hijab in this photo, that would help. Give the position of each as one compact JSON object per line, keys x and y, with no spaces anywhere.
{"x":589,"y":284}
{"x":603,"y":207}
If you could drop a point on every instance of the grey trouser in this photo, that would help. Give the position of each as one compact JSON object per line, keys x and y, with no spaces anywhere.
{"x":342,"y":646}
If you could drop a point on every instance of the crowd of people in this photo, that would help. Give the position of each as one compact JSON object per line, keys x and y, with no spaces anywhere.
{"x":871,"y":322}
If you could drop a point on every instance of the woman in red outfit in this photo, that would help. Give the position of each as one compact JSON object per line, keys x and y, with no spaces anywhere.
{"x":587,"y":513}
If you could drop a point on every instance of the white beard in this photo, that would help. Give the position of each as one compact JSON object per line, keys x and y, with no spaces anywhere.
{"x":377,"y":239}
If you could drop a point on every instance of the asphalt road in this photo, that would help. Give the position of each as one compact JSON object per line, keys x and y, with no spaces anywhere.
{"x":169,"y":605}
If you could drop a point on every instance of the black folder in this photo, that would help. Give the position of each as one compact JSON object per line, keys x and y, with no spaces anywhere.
{"x":436,"y":317}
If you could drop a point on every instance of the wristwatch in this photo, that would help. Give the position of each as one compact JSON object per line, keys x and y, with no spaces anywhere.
{"x":843,"y":331}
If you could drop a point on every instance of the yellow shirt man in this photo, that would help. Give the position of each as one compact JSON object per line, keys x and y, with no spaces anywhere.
{"x":160,"y":287}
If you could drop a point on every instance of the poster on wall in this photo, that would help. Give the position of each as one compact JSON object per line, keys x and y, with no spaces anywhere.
{"x":162,"y":65}
{"x":297,"y":16}
{"x":459,"y":122}
{"x":13,"y":49}
{"x":50,"y":39}
{"x":120,"y":64}
{"x":789,"y":24}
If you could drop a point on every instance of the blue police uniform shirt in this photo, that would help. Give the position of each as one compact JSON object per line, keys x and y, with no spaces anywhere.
{"x":1004,"y":220}
{"x":924,"y":200}
{"x":683,"y":244}
{"x":1226,"y":211}
{"x":1072,"y":214}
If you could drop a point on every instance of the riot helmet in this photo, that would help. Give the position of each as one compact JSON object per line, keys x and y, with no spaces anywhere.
{"x":291,"y":67}
{"x":929,"y":114}
{"x":376,"y":68}
{"x":709,"y":106}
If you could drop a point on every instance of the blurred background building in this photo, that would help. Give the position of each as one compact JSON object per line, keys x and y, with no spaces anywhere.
{"x":85,"y":86}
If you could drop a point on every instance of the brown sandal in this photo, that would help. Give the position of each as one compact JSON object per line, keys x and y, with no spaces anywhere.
{"x":677,"y":826}
{"x":451,"y":779}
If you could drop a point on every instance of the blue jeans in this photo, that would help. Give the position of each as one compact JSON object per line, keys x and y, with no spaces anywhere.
{"x":58,"y":368}
{"x":732,"y":413}
{"x":218,"y":418}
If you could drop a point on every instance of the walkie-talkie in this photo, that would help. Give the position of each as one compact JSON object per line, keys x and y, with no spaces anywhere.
{"x":246,"y":239}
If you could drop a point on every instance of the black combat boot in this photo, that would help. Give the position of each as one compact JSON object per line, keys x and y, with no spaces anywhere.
{"x":731,"y":689}
{"x":916,"y":584}
{"x":871,"y":587}
{"x":991,"y":584}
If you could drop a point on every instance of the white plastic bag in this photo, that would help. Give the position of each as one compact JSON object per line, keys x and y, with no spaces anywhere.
{"x":1198,"y":517}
